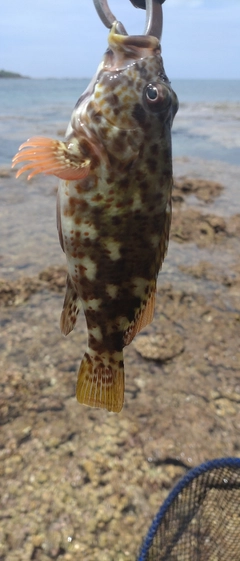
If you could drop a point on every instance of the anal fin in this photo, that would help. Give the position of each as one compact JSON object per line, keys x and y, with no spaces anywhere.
{"x":71,"y":307}
{"x":144,"y":317}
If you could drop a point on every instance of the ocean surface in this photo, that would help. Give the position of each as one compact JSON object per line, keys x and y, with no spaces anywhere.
{"x":206,"y":126}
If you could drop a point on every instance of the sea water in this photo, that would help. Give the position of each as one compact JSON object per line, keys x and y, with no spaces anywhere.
{"x":206,"y":144}
{"x":206,"y":125}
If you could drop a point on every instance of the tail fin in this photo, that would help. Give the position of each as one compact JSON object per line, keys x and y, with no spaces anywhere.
{"x":101,"y":384}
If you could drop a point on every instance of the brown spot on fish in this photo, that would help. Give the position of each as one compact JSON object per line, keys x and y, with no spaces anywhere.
{"x":139,"y":114}
{"x":116,"y":220}
{"x":118,"y":144}
{"x":140,"y":175}
{"x":154,"y":149}
{"x":143,"y":185}
{"x":104,"y":132}
{"x":69,"y":211}
{"x":112,"y":99}
{"x":95,"y":161}
{"x":122,"y":183}
{"x":82,"y":269}
{"x":96,"y":116}
{"x":98,"y":197}
{"x":116,"y":111}
{"x":77,"y":220}
{"x":86,"y":242}
{"x":152,"y":165}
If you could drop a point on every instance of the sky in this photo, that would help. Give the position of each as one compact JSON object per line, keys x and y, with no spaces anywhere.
{"x":66,"y":39}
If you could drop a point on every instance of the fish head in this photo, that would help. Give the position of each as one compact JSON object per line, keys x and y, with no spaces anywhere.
{"x":131,"y":94}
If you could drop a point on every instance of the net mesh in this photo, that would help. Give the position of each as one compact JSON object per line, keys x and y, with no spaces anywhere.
{"x":200,"y":519}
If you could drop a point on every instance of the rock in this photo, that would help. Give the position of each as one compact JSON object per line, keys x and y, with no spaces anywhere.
{"x":15,"y":293}
{"x":163,"y":346}
{"x":205,"y":190}
{"x":192,"y":226}
{"x":55,"y":277}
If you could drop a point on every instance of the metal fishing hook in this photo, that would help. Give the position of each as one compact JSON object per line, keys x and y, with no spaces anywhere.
{"x":107,"y":16}
{"x":153,"y":16}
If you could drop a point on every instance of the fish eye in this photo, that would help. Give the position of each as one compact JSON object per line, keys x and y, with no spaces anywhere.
{"x":151,"y":92}
{"x":157,"y":97}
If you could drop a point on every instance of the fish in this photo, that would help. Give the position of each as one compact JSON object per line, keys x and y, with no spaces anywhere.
{"x":113,"y":205}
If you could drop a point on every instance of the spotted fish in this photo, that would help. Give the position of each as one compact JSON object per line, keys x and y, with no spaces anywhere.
{"x":113,"y":205}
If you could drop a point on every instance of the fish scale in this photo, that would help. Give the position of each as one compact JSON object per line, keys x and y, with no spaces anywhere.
{"x":114,"y":205}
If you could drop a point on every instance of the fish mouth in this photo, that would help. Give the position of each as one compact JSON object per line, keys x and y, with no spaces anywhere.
{"x":129,"y":43}
{"x":123,"y":50}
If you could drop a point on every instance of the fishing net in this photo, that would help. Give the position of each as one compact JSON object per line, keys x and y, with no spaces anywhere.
{"x":200,"y":519}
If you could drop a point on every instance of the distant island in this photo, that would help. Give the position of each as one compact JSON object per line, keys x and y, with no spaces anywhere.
{"x":6,"y":74}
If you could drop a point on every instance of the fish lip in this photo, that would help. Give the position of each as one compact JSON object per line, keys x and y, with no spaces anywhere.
{"x":140,"y":41}
{"x":124,"y":42}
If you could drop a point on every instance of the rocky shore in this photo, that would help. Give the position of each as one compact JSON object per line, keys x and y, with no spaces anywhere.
{"x":78,"y":483}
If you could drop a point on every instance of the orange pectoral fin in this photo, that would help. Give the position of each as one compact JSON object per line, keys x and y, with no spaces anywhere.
{"x":52,"y":157}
